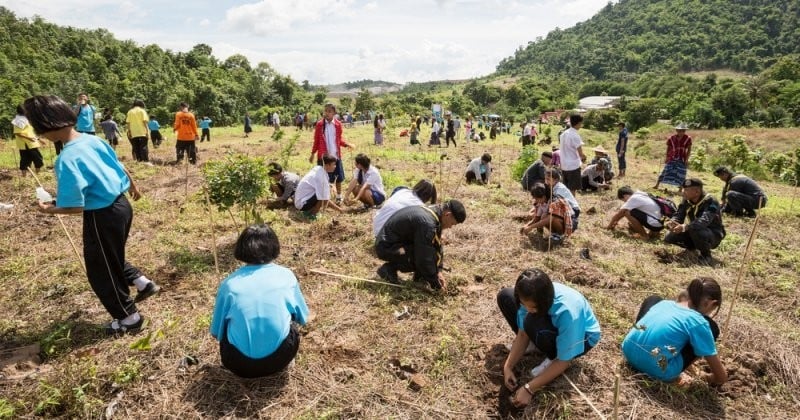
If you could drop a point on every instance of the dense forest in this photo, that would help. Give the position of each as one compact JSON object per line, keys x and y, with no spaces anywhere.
{"x":39,"y":57}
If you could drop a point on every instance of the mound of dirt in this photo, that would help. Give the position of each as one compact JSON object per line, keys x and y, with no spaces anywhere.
{"x":585,"y":275}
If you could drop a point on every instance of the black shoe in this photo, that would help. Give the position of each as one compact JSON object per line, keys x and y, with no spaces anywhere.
{"x":386,"y":273}
{"x":148,"y":291}
{"x":705,"y":260}
{"x":118,"y":328}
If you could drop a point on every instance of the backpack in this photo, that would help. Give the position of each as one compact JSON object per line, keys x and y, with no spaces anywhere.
{"x":665,"y":205}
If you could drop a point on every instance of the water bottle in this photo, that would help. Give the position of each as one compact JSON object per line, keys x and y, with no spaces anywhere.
{"x":43,"y":195}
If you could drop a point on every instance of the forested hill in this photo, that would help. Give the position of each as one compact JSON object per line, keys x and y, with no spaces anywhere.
{"x":37,"y":57}
{"x":636,"y":36}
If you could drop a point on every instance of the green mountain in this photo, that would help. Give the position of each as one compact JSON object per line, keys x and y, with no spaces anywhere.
{"x":632,"y":37}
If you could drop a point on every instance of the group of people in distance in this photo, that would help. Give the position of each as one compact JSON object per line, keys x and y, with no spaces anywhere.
{"x":259,"y":306}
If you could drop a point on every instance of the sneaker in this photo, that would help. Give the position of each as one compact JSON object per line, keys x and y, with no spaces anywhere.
{"x":309,"y":215}
{"x":148,"y":291}
{"x":542,"y":366}
{"x":386,"y":273}
{"x":529,"y":350}
{"x":118,"y":328}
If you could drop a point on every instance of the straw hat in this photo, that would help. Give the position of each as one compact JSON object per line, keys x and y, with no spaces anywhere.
{"x":681,"y":126}
{"x":599,"y":149}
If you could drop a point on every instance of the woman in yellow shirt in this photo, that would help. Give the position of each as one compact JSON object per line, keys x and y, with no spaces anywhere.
{"x":27,"y":143}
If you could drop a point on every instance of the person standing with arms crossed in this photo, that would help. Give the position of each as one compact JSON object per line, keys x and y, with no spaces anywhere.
{"x":185,"y":127}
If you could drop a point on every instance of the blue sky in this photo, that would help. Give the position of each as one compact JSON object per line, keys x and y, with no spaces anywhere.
{"x":331,"y":41}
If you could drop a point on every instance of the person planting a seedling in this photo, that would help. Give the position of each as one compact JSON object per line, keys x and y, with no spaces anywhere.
{"x":593,"y":176}
{"x":313,"y":193}
{"x":641,"y":211}
{"x":550,"y":317}
{"x":284,"y":183}
{"x":366,"y":185}
{"x":257,"y":307}
{"x":423,"y":192}
{"x":552,"y":178}
{"x":93,"y":182}
{"x":410,"y":241}
{"x":328,"y":139}
{"x":704,"y":230}
{"x":479,"y":170}
{"x":669,"y":336}
{"x":551,"y":212}
{"x":741,"y":196}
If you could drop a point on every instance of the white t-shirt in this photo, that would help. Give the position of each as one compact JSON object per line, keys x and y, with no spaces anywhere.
{"x":641,"y":201}
{"x":527,"y":130}
{"x":477,"y":167}
{"x":371,"y":177}
{"x":401,"y":199}
{"x":314,"y":183}
{"x":330,"y":138}
{"x":570,"y":142}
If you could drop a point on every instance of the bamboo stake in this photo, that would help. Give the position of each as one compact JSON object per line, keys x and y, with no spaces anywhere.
{"x":616,"y":394}
{"x":585,"y":398}
{"x":186,"y":187}
{"x":342,"y":276}
{"x":213,"y":232}
{"x":63,"y":226}
{"x":741,"y":273}
{"x":235,"y":223}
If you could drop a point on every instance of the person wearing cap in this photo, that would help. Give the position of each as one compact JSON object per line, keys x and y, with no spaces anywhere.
{"x":642,"y":213}
{"x":410,"y":241}
{"x":423,"y":192}
{"x":283,"y":183}
{"x":622,"y":147}
{"x":479,"y":170}
{"x":450,"y":129}
{"x":593,"y":176}
{"x":697,"y":225}
{"x":741,"y":196}
{"x":535,"y":173}
{"x":679,"y":148}
{"x":572,"y":153}
{"x":608,"y":171}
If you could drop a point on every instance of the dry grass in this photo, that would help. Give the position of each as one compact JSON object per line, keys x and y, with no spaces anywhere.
{"x":350,"y":352}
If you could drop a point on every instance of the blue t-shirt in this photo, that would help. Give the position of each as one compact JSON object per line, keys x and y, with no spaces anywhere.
{"x":622,"y":138}
{"x":572,"y":316}
{"x":153,"y":125}
{"x":85,"y":114}
{"x":654,"y":345}
{"x":89,"y":174}
{"x":205,"y":123}
{"x":255,"y":307}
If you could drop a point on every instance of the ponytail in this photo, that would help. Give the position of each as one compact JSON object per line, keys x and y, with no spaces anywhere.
{"x":704,"y":287}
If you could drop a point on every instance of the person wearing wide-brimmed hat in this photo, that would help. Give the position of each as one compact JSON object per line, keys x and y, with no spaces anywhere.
{"x":679,"y":147}
{"x":601,"y":153}
{"x":697,"y":225}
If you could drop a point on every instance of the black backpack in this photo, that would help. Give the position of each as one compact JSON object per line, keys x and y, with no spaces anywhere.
{"x":667,"y":206}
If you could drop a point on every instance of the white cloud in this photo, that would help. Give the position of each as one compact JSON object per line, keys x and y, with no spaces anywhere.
{"x":274,"y":16}
{"x":205,"y":22}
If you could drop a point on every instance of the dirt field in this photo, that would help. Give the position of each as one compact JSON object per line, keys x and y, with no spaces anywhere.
{"x":357,"y":359}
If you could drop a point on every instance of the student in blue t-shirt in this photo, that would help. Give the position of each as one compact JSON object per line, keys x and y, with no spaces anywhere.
{"x":257,"y":307}
{"x":669,"y":336}
{"x":93,"y":182}
{"x":205,"y":126}
{"x":155,"y":133}
{"x":551,"y":317}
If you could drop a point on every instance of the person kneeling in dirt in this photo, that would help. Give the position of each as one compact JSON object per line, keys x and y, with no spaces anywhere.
{"x":704,"y":230}
{"x":551,"y":212}
{"x":366,"y":185}
{"x":552,"y":178}
{"x":313,"y":194}
{"x":535,"y":172}
{"x":669,"y":336}
{"x":741,"y":196}
{"x":642,"y":213}
{"x":423,"y":192}
{"x":410,"y":241}
{"x":283,"y":183}
{"x":257,"y":307}
{"x":593,"y":176}
{"x":479,"y":170}
{"x":551,"y":317}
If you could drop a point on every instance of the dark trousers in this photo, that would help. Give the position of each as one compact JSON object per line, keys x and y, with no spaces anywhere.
{"x":586,"y":186}
{"x":188,"y":147}
{"x":738,"y":204}
{"x":450,"y":136}
{"x":156,"y":137}
{"x":687,"y":352}
{"x":206,"y":134}
{"x":470,"y":177}
{"x":246,"y":367}
{"x":538,"y":327}
{"x":700,"y":238}
{"x":140,"y":152}
{"x":105,"y":232}
{"x":526,"y":140}
{"x":399,"y":256}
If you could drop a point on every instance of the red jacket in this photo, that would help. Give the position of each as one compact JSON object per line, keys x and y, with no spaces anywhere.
{"x":320,"y":147}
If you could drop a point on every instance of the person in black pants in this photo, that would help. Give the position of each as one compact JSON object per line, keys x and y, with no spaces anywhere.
{"x":450,"y":134}
{"x":697,"y":225}
{"x":741,"y":196}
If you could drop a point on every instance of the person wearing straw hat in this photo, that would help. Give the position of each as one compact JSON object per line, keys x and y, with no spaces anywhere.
{"x":697,"y":225}
{"x":593,"y":176}
{"x":741,"y":196}
{"x":679,"y":148}
{"x":601,"y":153}
{"x":92,"y":182}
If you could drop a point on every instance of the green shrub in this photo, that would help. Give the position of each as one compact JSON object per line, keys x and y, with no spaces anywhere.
{"x":698,"y":160}
{"x":526,"y":158}
{"x":237,"y":180}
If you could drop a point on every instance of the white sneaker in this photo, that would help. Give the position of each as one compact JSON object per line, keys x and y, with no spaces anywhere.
{"x":531,"y":347}
{"x":542,"y":366}
{"x":6,"y":207}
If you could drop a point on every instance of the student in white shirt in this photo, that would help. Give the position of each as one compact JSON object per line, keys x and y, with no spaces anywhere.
{"x":479,"y":169}
{"x":313,"y":193}
{"x":402,"y":197}
{"x":642,"y":213}
{"x":366,"y":185}
{"x":572,"y":153}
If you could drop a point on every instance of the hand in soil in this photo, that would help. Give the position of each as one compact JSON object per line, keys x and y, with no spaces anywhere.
{"x":509,"y":379}
{"x":521,"y":398}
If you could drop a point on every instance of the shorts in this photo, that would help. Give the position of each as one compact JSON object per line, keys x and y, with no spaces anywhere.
{"x":338,"y":174}
{"x":377,"y":197}
{"x":572,"y":179}
{"x":28,"y":156}
{"x":650,"y":222}
{"x":310,"y":203}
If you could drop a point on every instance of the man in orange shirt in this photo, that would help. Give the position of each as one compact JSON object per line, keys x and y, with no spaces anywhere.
{"x":186,"y":128}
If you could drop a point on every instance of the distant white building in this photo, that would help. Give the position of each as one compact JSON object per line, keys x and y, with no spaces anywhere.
{"x":597,"y":102}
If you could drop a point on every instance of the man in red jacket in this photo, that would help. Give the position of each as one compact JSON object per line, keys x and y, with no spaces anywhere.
{"x":328,"y":139}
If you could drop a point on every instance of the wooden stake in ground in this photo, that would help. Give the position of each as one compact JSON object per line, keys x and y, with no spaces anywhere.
{"x":186,"y":188}
{"x":585,"y":398}
{"x":616,"y":394}
{"x":63,"y":226}
{"x":342,"y":276}
{"x":741,"y":273}
{"x":213,"y":232}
